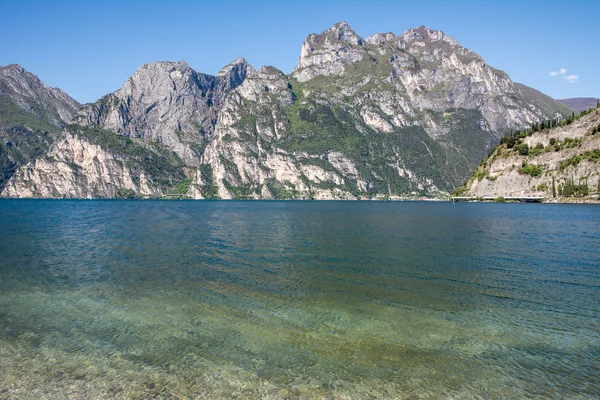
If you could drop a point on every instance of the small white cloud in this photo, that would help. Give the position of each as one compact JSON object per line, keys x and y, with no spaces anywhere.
{"x":561,"y":71}
{"x":572,"y":78}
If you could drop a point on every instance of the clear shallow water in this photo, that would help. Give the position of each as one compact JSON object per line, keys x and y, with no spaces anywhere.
{"x":137,"y":299}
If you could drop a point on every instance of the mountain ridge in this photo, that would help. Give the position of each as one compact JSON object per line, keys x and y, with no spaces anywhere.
{"x":580,"y":104}
{"x":384,"y":116}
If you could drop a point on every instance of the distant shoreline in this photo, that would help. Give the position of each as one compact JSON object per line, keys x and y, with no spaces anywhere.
{"x":501,"y":199}
{"x":396,"y":200}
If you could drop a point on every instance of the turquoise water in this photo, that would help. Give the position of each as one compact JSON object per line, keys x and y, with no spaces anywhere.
{"x":298,"y":300}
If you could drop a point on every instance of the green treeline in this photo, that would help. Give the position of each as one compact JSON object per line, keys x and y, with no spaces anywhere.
{"x":513,"y":139}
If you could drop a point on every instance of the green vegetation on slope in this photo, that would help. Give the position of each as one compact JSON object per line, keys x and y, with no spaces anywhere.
{"x":548,"y":105}
{"x":514,"y":142}
{"x":316,"y":128}
{"x":209,"y":189}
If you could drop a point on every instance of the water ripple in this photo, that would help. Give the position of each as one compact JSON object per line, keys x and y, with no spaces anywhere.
{"x":130,"y":299}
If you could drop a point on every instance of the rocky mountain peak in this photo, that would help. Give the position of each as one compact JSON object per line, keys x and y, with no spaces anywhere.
{"x":423,"y":39}
{"x":152,"y":72}
{"x":31,"y":95}
{"x":238,"y":64}
{"x":342,"y":25}
{"x":329,"y":52}
{"x":343,"y":32}
{"x":17,"y":68}
{"x":235,"y":72}
{"x":270,"y":70}
{"x":168,"y":102}
{"x":14,"y":77}
{"x":162,"y":101}
{"x":424,"y":33}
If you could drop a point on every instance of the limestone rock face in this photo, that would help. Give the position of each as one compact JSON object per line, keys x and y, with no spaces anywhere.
{"x":556,"y":157}
{"x":451,"y":76}
{"x":329,"y":53}
{"x":76,"y":166}
{"x":420,"y":80}
{"x":167,"y":102}
{"x":96,"y":174}
{"x":243,"y":155}
{"x":426,"y":70}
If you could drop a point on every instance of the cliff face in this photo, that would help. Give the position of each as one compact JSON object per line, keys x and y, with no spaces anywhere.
{"x":358,"y":118}
{"x":92,"y":163}
{"x":31,"y":115}
{"x":558,"y":163}
{"x":166,"y":102}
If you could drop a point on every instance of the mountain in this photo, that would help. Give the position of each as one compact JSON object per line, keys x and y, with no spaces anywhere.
{"x":385,"y":116}
{"x":88,"y":162}
{"x":547,"y":104}
{"x":561,"y":163}
{"x":580,"y":104}
{"x":167,"y":102}
{"x":31,"y":116}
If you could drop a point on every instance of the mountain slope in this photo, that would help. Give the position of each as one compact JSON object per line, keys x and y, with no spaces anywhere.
{"x":92,"y":163}
{"x":31,"y":115}
{"x":580,"y":104}
{"x":166,"y":102}
{"x":547,"y":104}
{"x":562,"y":163}
{"x":384,"y":116}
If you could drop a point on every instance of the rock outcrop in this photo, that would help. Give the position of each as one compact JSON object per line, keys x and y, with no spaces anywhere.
{"x":559,"y":163}
{"x":167,"y":102}
{"x":92,"y":163}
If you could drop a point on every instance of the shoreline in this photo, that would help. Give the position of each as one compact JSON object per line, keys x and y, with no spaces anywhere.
{"x":500,"y":199}
{"x":540,"y":200}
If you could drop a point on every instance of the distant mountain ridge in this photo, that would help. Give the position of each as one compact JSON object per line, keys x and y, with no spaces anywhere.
{"x":580,"y":104}
{"x":385,"y":116}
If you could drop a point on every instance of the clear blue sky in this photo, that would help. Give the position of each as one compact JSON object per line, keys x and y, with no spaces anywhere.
{"x":89,"y":48}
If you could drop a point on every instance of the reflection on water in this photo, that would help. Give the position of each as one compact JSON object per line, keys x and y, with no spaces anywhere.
{"x":130,"y":299}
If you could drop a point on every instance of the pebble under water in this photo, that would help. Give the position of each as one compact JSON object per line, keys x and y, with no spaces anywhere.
{"x":298,"y":300}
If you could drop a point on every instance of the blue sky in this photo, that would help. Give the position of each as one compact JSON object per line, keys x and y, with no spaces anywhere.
{"x":89,"y":48}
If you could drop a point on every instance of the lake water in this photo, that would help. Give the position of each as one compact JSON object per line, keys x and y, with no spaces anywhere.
{"x":298,"y":300}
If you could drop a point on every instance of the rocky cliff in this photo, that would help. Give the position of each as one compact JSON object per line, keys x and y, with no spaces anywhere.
{"x":385,"y":116}
{"x":31,"y":116}
{"x":167,"y":102}
{"x":561,"y":163}
{"x":93,"y":163}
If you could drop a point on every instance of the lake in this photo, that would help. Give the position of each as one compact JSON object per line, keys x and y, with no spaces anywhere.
{"x":298,"y":300}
